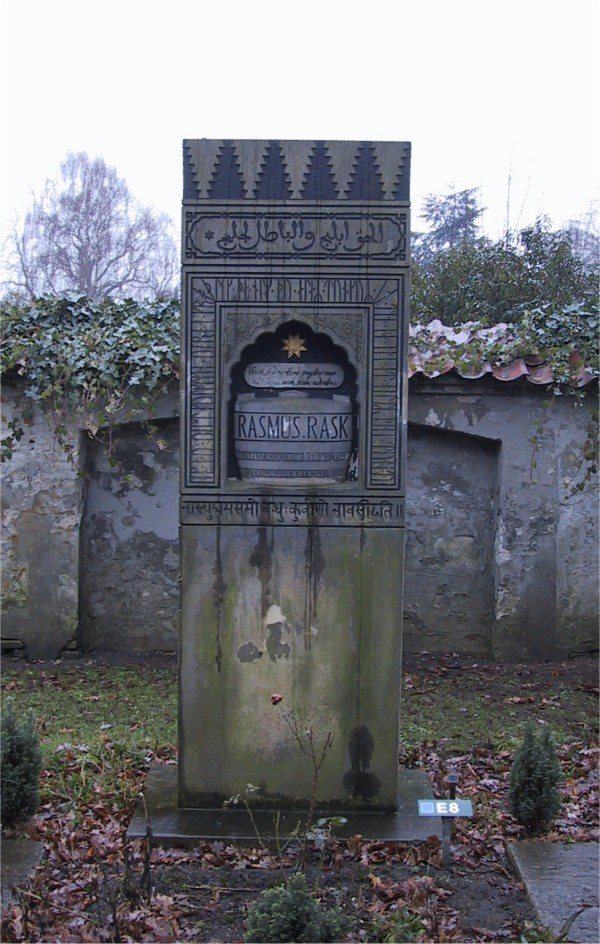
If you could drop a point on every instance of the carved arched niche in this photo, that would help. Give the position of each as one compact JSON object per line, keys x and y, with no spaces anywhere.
{"x":246,"y":376}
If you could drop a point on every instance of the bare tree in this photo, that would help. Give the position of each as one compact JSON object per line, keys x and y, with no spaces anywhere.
{"x":584,"y":235}
{"x":86,"y":233}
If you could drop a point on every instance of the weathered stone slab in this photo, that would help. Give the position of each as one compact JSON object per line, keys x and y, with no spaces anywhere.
{"x":19,"y":858}
{"x":284,"y":610}
{"x":173,"y":825}
{"x":560,"y":878}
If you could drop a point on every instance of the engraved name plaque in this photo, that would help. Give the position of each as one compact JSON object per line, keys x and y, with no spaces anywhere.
{"x":294,"y":375}
{"x":293,"y":436}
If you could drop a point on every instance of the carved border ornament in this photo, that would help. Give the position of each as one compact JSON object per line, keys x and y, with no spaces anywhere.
{"x":313,"y":232}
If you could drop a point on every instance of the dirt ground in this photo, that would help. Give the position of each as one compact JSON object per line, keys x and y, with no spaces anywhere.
{"x":220,"y":897}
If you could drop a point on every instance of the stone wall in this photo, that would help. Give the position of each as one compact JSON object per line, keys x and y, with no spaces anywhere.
{"x":129,"y":577}
{"x":542,"y":536}
{"x":42,"y":494}
{"x":502,"y":545}
{"x":452,"y":507}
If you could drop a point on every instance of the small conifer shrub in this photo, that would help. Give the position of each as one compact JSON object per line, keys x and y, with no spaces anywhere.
{"x":290,"y":913}
{"x":533,"y":795}
{"x":21,"y":764}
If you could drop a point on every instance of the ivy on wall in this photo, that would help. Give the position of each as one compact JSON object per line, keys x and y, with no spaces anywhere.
{"x":564,"y":339}
{"x":77,"y":356}
{"x":92,"y":359}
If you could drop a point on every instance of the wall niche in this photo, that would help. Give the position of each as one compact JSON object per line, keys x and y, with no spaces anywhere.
{"x":292,"y":411}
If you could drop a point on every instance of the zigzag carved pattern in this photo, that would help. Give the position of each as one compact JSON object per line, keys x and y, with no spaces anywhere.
{"x":226,"y":182}
{"x":273,"y":180}
{"x":321,"y":171}
{"x":365,"y":182}
{"x":319,"y":182}
{"x":190,"y":182}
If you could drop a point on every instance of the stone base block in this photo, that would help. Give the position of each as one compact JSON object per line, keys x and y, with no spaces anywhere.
{"x":175,"y":826}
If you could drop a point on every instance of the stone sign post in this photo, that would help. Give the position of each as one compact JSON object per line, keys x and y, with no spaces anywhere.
{"x":294,"y":330}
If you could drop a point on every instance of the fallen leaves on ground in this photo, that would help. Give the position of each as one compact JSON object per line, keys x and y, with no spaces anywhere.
{"x":94,"y":886}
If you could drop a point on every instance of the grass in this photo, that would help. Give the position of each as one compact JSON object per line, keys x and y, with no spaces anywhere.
{"x":97,"y":724}
{"x":465,"y":706}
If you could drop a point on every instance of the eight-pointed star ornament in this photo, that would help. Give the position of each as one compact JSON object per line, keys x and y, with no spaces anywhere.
{"x":294,"y":345}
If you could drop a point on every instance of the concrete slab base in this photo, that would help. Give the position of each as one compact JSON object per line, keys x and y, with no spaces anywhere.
{"x":19,"y":858}
{"x":560,"y":877}
{"x":173,"y":826}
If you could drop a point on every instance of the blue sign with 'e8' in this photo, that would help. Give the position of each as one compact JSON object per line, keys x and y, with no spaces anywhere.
{"x":445,"y":808}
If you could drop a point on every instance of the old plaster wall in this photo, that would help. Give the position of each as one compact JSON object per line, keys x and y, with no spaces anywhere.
{"x":451,"y":518}
{"x":577,"y":535}
{"x":544,"y":563}
{"x":129,"y":577}
{"x":41,"y":512}
{"x":501,"y":555}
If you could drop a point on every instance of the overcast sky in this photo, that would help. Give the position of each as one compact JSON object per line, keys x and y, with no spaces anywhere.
{"x":478,"y":87}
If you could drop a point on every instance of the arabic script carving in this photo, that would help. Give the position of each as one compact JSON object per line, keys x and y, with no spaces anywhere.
{"x":218,"y":235}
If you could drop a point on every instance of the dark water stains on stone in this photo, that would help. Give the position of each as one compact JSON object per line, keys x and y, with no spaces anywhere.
{"x":262,"y":558}
{"x":219,"y":590}
{"x":100,"y":532}
{"x":249,"y":652}
{"x":439,"y":477}
{"x":359,"y":780}
{"x":275,"y":647}
{"x":144,"y":450}
{"x":315,"y":565}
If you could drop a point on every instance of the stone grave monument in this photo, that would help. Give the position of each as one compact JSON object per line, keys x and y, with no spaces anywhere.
{"x":293,"y":415}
